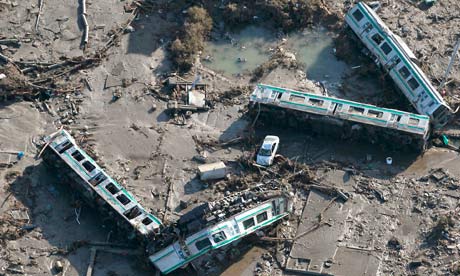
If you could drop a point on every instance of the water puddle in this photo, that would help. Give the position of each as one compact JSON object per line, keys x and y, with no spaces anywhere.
{"x":242,"y":52}
{"x":314,"y":48}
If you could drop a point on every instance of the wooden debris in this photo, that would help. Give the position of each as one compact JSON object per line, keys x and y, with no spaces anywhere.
{"x":10,"y":41}
{"x":88,"y":84}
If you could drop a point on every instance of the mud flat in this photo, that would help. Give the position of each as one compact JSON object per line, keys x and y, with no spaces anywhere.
{"x":114,"y":100}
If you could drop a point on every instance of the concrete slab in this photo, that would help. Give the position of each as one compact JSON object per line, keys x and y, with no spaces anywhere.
{"x":318,"y":246}
{"x":350,"y":261}
{"x":319,"y":249}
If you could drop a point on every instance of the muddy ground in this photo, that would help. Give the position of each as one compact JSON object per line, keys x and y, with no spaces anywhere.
{"x":412,"y":229}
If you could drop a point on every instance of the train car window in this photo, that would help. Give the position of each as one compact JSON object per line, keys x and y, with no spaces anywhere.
{"x":112,"y":188}
{"x":413,"y":83}
{"x":133,"y":212}
{"x":200,"y":245}
{"x":147,"y":221}
{"x":88,"y":166}
{"x":377,"y":39}
{"x":98,"y":179}
{"x":354,"y":109}
{"x":392,"y":117}
{"x":65,"y":146}
{"x":218,"y":237}
{"x":431,"y":104}
{"x":414,"y":121}
{"x":376,"y":114}
{"x":315,"y":102}
{"x":358,"y":15}
{"x":77,"y":155}
{"x":297,"y":99}
{"x":248,"y":223}
{"x":261,"y":217}
{"x":123,"y":199}
{"x":386,"y":48}
{"x":404,"y":72}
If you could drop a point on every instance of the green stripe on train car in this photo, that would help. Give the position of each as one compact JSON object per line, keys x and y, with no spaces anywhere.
{"x":304,"y":105}
{"x":111,"y":197}
{"x":252,"y":213}
{"x":367,"y":118}
{"x":78,"y":165}
{"x":121,"y":188}
{"x":186,"y":261}
{"x":413,"y":127}
{"x":154,"y":218}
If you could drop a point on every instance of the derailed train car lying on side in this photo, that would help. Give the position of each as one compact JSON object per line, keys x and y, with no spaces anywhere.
{"x":370,"y":121}
{"x":183,"y":251}
{"x":395,"y":57}
{"x":96,"y":186}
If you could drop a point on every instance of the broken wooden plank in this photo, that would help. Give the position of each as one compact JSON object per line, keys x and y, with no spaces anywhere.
{"x":37,"y":20}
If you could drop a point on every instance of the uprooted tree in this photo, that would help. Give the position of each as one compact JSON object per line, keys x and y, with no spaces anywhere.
{"x":191,"y":40}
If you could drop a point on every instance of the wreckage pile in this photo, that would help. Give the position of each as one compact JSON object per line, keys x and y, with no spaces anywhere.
{"x":381,"y":211}
{"x":61,"y":152}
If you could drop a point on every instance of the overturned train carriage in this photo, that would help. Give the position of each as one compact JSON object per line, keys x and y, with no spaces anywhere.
{"x":96,"y":186}
{"x":184,"y":250}
{"x":395,"y":58}
{"x":318,"y":113}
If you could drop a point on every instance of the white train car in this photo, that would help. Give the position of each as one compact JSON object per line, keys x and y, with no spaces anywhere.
{"x":96,"y":186}
{"x":182,"y":252}
{"x":412,"y":125}
{"x":395,"y":57}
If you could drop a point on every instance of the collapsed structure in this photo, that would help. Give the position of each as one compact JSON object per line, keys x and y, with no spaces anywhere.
{"x":209,"y":226}
{"x":313,"y":110}
{"x":393,"y":55}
